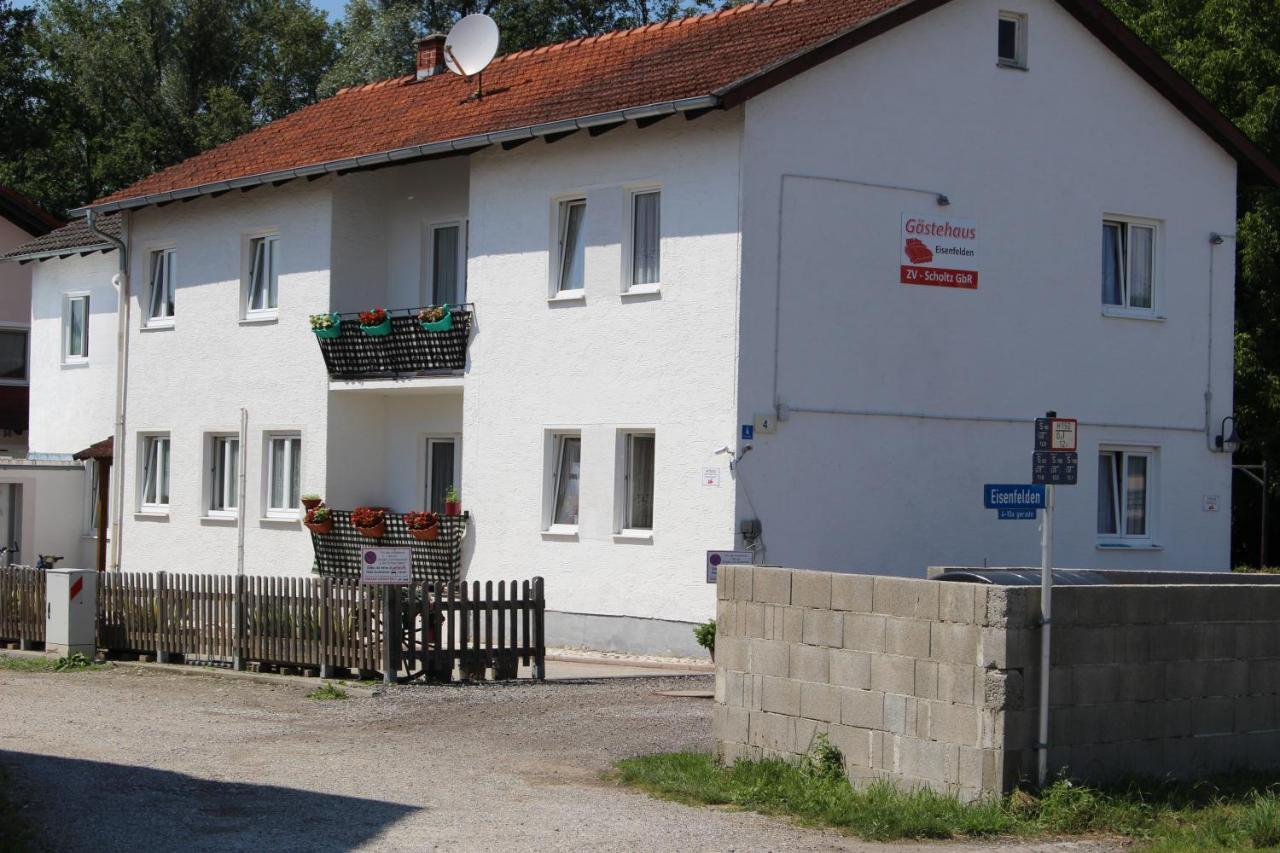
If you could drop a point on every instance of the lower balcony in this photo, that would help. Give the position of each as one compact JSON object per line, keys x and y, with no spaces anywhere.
{"x":439,"y":560}
{"x":403,"y":346}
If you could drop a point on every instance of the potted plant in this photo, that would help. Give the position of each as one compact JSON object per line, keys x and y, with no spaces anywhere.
{"x":311,"y":500}
{"x":319,"y":519}
{"x":705,"y":634}
{"x":422,"y":525}
{"x":452,"y":502}
{"x":436,"y":318}
{"x":326,"y":325}
{"x":375,"y":323}
{"x":370,"y":521}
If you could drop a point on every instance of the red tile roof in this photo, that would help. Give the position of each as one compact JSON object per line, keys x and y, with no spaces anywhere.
{"x":725,"y":56}
{"x":26,"y":214}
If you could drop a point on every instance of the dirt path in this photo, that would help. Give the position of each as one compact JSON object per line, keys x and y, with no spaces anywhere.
{"x":129,"y":759}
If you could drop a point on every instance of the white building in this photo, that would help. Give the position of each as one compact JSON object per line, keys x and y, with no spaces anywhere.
{"x":717,"y":238}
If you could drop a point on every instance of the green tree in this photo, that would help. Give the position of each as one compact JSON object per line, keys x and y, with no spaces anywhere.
{"x":132,"y":86}
{"x":376,"y":36}
{"x":1230,"y":50}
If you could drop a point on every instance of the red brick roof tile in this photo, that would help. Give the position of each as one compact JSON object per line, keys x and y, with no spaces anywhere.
{"x":733,"y":54}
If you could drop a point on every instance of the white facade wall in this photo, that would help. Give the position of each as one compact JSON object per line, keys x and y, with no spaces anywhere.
{"x":72,"y":403}
{"x":192,"y":379}
{"x":607,"y":363}
{"x":1037,"y":158}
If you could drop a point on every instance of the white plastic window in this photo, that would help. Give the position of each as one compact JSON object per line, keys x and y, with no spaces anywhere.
{"x":566,"y":477}
{"x":155,"y":473}
{"x":1125,"y":495}
{"x":223,"y":494}
{"x":75,"y":333}
{"x":264,"y":276}
{"x":572,"y":246}
{"x":161,"y":297}
{"x":284,"y":457}
{"x":1128,"y":265}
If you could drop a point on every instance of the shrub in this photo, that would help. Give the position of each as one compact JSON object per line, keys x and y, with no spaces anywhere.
{"x":318,"y":515}
{"x":421,"y":520}
{"x":376,"y":317}
{"x":705,"y":634}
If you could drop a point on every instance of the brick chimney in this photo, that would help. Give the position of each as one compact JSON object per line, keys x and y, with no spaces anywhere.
{"x":430,"y":55}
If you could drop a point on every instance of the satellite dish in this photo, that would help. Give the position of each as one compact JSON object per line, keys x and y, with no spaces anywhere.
{"x":471,"y":45}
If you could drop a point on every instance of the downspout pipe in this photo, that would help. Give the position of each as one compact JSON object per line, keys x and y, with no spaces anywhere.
{"x":122,"y":372}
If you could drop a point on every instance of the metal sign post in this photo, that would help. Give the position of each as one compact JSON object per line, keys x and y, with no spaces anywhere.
{"x":1046,"y":609}
{"x":1054,"y":462}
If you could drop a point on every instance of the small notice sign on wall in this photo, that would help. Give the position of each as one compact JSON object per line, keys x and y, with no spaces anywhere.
{"x":938,"y":251}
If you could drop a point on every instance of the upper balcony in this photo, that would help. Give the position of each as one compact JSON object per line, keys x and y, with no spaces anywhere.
{"x":402,"y":348}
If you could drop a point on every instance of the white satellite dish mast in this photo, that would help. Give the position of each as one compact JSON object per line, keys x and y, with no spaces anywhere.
{"x":470,"y":46}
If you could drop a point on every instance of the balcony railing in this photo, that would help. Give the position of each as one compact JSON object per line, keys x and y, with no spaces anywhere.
{"x":438,"y":560}
{"x":407,"y":350}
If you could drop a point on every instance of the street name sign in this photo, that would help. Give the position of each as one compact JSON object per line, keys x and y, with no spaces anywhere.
{"x":1016,"y":514}
{"x":1012,"y":496}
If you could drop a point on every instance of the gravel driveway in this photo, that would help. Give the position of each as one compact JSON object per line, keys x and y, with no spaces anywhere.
{"x":132,"y":759}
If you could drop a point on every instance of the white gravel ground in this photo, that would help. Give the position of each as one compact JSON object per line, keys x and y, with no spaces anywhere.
{"x":138,"y":760}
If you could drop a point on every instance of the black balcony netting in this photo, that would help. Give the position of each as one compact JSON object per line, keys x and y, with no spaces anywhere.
{"x":438,"y":561}
{"x":409,"y":350}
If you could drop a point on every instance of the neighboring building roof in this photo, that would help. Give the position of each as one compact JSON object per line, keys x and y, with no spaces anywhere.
{"x":72,"y":239}
{"x":100,"y":450}
{"x":688,"y":65}
{"x":26,"y":214}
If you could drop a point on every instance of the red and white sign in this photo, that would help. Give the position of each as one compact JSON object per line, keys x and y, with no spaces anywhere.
{"x":939,"y":251}
{"x":1062,"y":434}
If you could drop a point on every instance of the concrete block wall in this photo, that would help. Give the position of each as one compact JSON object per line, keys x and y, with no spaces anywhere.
{"x":903,"y":675}
{"x":1158,"y":680}
{"x":936,"y":684}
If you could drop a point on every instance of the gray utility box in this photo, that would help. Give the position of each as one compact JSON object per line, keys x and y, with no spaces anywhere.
{"x":71,"y":597}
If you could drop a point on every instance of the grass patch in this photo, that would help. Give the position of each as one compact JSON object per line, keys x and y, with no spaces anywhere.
{"x":16,"y":834}
{"x":328,"y":692}
{"x":1236,"y":813}
{"x":72,"y":663}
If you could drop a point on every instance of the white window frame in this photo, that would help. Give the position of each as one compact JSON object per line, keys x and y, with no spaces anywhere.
{"x":1019,"y":59}
{"x":68,"y":301}
{"x":629,"y":285}
{"x":429,"y":259}
{"x":216,"y":453}
{"x":266,"y":239}
{"x":1120,"y":539}
{"x":293,"y":462}
{"x":26,"y":359}
{"x":147,"y":442}
{"x":169,"y":258}
{"x":555,"y":452}
{"x":623,"y":523}
{"x":425,"y":441}
{"x":560,"y":212}
{"x":1157,"y":244}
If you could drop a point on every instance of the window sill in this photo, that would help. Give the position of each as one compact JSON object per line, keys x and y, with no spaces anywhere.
{"x":72,"y":363}
{"x":642,"y":290}
{"x":1131,"y":314}
{"x":564,"y":532}
{"x":281,"y":520}
{"x":158,"y":327}
{"x":1128,"y":546}
{"x":264,"y":319}
{"x":634,"y":536}
{"x":152,"y":515}
{"x":1013,"y":64}
{"x":219,"y":519}
{"x":567,"y":296}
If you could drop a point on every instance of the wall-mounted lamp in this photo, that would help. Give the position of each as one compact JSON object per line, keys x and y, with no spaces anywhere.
{"x":942,"y":200}
{"x":1228,"y":442}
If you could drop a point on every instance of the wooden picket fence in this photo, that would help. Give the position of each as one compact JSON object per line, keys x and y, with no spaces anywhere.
{"x":474,"y":632}
{"x":303,"y":622}
{"x":22,"y":614}
{"x":324,"y":623}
